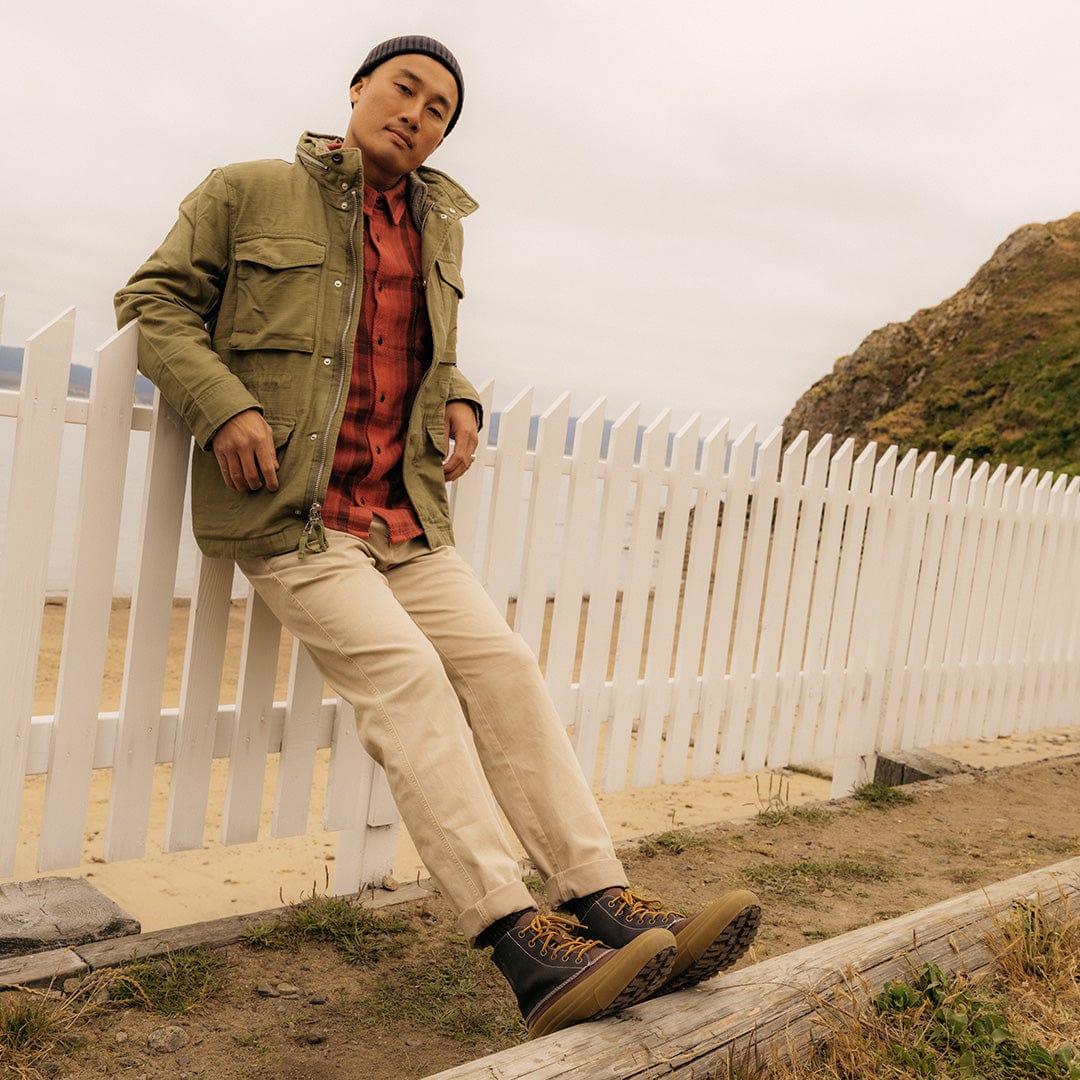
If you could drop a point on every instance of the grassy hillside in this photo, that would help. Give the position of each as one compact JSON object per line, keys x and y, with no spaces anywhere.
{"x":992,"y":372}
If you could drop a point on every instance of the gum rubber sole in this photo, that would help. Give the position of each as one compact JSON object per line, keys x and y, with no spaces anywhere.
{"x":633,"y":973}
{"x":715,"y":939}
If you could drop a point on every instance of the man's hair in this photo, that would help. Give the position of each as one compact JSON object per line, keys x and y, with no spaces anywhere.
{"x":416,"y":43}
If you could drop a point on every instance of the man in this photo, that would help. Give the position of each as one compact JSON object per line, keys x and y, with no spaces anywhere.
{"x":302,"y":318}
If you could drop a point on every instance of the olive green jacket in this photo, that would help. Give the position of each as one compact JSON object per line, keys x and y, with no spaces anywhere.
{"x":253,"y":301}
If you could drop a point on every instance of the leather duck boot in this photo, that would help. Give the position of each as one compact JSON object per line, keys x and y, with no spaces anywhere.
{"x":560,"y":978}
{"x":707,"y":942}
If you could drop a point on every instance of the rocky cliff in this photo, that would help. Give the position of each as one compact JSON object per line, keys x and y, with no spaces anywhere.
{"x":993,"y":372}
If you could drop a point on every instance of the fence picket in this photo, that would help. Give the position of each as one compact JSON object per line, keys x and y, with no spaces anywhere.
{"x":823,"y":595}
{"x":148,"y":636}
{"x":856,"y":720}
{"x":200,"y":695}
{"x":540,"y":522}
{"x":34,"y":476}
{"x":990,"y":646}
{"x":778,"y":587}
{"x":665,"y":604}
{"x":504,"y":510}
{"x":637,"y":596}
{"x":86,"y":621}
{"x":796,"y":620}
{"x":685,"y":698}
{"x":299,"y":743}
{"x":751,"y":598}
{"x":600,"y":619}
{"x":580,"y":509}
{"x":467,"y":493}
{"x":987,"y":512}
{"x":950,"y":603}
{"x":251,"y":735}
{"x":716,"y":740}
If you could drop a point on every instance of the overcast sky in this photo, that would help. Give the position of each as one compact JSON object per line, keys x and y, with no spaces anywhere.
{"x":692,"y":204}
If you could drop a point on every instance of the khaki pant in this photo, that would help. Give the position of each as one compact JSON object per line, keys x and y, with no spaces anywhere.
{"x":408,"y":636}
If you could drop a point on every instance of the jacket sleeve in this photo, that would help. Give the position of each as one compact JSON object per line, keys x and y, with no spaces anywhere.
{"x":175,"y":296}
{"x":463,"y":390}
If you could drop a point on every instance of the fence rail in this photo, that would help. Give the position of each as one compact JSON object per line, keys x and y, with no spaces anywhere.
{"x":700,"y":605}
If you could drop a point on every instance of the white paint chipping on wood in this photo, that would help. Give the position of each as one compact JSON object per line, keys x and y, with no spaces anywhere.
{"x":769,"y":1007}
{"x":840,"y":608}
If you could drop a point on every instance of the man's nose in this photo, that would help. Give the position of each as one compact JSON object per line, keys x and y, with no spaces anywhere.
{"x":411,"y":116}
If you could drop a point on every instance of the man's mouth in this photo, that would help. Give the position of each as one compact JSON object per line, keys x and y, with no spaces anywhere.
{"x":401,"y":137}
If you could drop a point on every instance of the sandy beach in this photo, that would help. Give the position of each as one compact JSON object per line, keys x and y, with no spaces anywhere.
{"x":163,"y":890}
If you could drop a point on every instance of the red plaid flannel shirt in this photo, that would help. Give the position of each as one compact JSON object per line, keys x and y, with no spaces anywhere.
{"x":392,"y":352}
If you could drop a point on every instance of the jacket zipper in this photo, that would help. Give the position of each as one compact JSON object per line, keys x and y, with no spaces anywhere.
{"x":313,"y":536}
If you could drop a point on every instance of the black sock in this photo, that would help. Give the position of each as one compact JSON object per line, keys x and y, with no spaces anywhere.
{"x":498,"y":928}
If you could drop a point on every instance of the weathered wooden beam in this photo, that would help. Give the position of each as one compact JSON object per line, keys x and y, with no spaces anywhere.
{"x":768,"y":1008}
{"x":37,"y":969}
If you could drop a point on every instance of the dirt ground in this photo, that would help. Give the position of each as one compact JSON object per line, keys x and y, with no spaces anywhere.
{"x":820,"y":871}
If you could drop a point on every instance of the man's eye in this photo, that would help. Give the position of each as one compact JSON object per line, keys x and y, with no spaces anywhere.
{"x":437,"y":113}
{"x":403,"y":88}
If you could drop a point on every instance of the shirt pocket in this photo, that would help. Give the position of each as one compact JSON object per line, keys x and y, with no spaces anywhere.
{"x":278,"y":279}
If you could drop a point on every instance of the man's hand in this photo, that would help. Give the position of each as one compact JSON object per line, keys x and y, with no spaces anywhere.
{"x":461,"y":427}
{"x":244,"y":448}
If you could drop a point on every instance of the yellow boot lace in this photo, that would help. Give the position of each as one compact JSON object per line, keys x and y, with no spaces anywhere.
{"x":640,"y":908}
{"x":558,"y":935}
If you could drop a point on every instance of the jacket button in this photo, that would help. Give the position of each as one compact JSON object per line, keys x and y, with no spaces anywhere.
{"x":344,"y":206}
{"x":337,"y":159}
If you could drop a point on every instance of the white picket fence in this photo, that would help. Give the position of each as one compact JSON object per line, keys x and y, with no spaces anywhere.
{"x":746,"y":608}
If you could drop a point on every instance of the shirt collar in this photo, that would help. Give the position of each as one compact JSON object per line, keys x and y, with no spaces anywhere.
{"x":396,"y":202}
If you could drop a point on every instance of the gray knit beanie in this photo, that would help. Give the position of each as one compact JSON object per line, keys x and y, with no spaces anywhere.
{"x":416,"y":43}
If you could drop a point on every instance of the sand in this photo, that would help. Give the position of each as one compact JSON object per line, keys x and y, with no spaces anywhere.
{"x":163,"y":890}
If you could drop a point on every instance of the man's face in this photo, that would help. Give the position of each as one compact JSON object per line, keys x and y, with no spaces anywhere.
{"x":400,"y":112}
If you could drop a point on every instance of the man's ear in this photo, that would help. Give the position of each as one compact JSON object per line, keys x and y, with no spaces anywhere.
{"x":355,"y":90}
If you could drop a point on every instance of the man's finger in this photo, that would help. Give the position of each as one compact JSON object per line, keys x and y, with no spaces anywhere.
{"x":268,"y":464}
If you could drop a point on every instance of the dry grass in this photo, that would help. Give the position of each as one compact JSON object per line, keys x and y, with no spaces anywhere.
{"x":1021,"y":1022}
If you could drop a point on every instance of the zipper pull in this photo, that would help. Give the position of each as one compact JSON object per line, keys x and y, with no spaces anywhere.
{"x":314,"y":535}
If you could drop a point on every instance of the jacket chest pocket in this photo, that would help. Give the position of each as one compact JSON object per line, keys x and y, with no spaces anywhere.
{"x":278,"y":280}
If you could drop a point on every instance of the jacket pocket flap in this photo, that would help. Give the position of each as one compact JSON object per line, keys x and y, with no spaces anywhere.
{"x":282,"y":427}
{"x":451,"y":274}
{"x":280,"y":252}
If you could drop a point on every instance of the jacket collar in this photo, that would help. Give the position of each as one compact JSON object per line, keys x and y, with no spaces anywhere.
{"x":332,"y":168}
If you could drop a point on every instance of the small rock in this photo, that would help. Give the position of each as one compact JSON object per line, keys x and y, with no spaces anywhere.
{"x":168,"y":1040}
{"x":264,"y":989}
{"x":121,"y":1037}
{"x":827,"y":892}
{"x":287,"y":990}
{"x":390,"y":885}
{"x":71,"y":986}
{"x":318,"y":998}
{"x":313,"y":1038}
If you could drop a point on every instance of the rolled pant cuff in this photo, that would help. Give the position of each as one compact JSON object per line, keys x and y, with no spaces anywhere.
{"x":584,"y":879}
{"x":503,"y":901}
